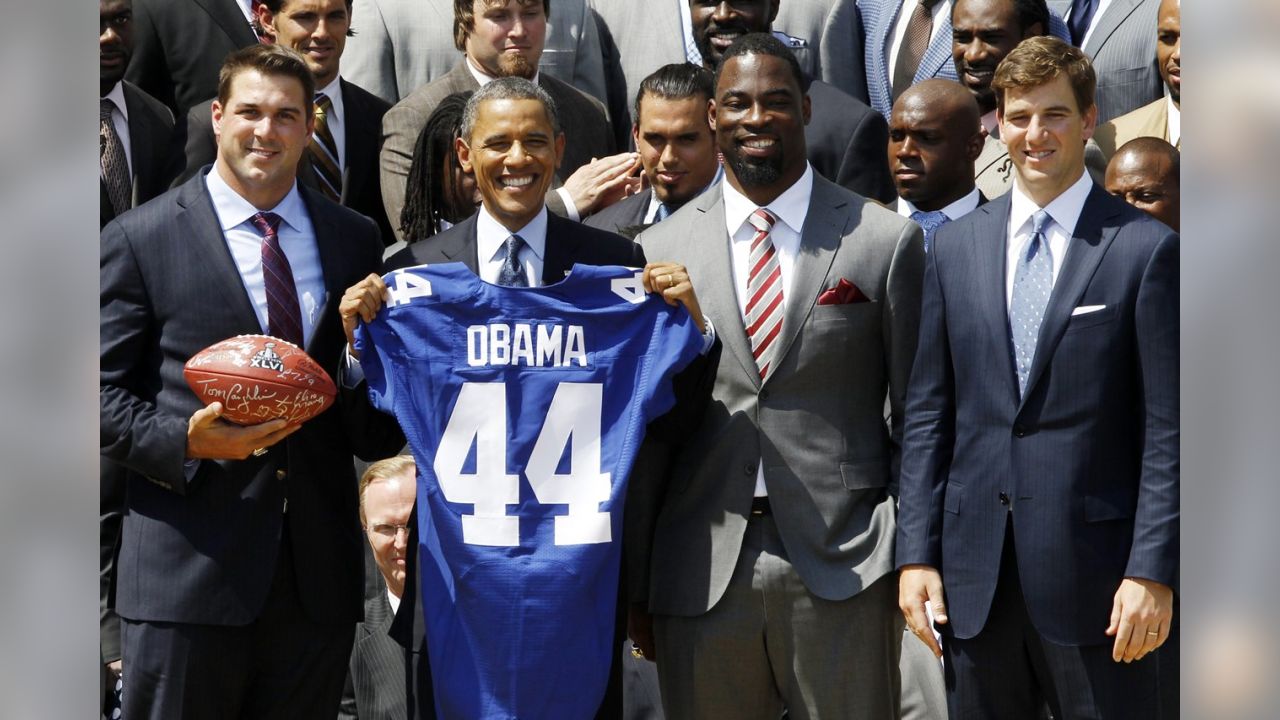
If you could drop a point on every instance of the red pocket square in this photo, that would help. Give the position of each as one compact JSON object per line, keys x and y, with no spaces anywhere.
{"x":843,"y":293}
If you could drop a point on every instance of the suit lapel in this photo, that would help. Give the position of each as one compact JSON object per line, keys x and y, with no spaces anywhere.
{"x":819,"y":240}
{"x":361,"y":141}
{"x":719,"y":298}
{"x":1107,"y":24}
{"x":990,"y":232}
{"x":938,"y":54}
{"x":141,"y":131}
{"x":228,"y":17}
{"x":459,"y":246}
{"x":1088,"y":246}
{"x":200,"y":224}
{"x":332,"y":265}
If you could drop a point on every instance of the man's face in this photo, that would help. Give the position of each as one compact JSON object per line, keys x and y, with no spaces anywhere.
{"x":387,"y":504}
{"x":513,"y":154}
{"x":717,"y":23}
{"x":317,"y":29}
{"x":982,"y":33}
{"x":930,"y":158}
{"x":758,"y":115}
{"x":262,"y":131}
{"x":1169,"y":47}
{"x":508,"y":37}
{"x":676,"y":147}
{"x":115,"y":40}
{"x":1148,"y":183}
{"x":1045,"y":132}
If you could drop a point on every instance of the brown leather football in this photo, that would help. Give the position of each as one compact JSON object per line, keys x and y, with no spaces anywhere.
{"x":259,"y":378}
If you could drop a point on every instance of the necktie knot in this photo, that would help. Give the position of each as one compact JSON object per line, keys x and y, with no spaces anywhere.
{"x":512,"y":273}
{"x":662,"y":212}
{"x":322,"y":105}
{"x":105,"y":106}
{"x":762,"y":220}
{"x":1039,"y":221}
{"x":929,"y":222}
{"x":267,"y":223}
{"x":515,"y":244}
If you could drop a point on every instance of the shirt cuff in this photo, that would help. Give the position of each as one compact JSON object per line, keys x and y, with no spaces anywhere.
{"x":351,"y":372}
{"x":570,"y":209}
{"x":708,"y":336}
{"x":190,"y":467}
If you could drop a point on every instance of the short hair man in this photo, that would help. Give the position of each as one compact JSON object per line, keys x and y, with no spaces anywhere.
{"x":844,"y":138}
{"x":983,"y":32}
{"x":375,"y":681}
{"x":342,"y":157}
{"x":1040,"y":462}
{"x":504,"y":38}
{"x":934,"y":137}
{"x":779,"y":497}
{"x":1144,"y":172}
{"x":1162,"y":117}
{"x":240,"y":577}
{"x":677,"y":148}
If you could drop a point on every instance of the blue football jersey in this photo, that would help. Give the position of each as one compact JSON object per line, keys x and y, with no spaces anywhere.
{"x":524,"y":408}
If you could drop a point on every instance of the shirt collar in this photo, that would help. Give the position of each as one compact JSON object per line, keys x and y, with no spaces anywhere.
{"x":483,"y":77}
{"x":491,"y":235}
{"x":393,"y":601}
{"x":233,"y":210}
{"x":954,"y":211}
{"x":1175,"y":119}
{"x":652,"y":211}
{"x":116,"y":96}
{"x":790,"y":207}
{"x":334,"y":92}
{"x":1064,"y":210}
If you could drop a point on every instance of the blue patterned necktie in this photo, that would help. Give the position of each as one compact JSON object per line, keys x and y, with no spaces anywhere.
{"x":662,"y":213}
{"x":512,"y":273}
{"x":929,"y":222}
{"x":1032,"y":284}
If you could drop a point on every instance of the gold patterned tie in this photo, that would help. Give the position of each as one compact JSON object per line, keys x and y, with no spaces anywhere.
{"x":324,"y":152}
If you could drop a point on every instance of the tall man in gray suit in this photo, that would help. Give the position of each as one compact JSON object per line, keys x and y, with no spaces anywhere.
{"x":1121,"y":42}
{"x":763,"y":543}
{"x":1040,"y":461}
{"x":500,"y":38}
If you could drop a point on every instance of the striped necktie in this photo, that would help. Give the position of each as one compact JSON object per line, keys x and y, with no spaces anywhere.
{"x":284,"y":319}
{"x":324,"y":151}
{"x":764,"y":292}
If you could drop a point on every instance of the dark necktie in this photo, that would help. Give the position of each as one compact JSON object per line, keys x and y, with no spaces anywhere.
{"x":1078,"y":22}
{"x":115,"y":168}
{"x":512,"y":273}
{"x":284,"y":319}
{"x":324,"y":151}
{"x":1032,"y":284}
{"x":915,"y":41}
{"x":929,"y":222}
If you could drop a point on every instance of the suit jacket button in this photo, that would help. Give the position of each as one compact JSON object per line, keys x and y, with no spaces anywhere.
{"x":280,"y":474}
{"x":764,"y":395}
{"x":1004,"y":499}
{"x":748,"y":469}
{"x":1019,"y":431}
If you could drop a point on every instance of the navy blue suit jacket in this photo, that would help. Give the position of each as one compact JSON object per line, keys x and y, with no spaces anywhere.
{"x":1088,"y":457}
{"x":204,"y":550}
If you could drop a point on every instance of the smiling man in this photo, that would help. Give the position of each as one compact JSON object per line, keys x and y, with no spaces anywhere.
{"x":766,"y":582}
{"x":342,"y":157}
{"x":1039,"y":512}
{"x":240,"y":575}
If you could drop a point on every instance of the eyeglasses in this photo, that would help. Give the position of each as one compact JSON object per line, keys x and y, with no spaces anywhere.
{"x":389,"y":530}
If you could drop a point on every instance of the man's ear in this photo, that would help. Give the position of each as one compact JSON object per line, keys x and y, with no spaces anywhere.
{"x":1090,"y":121}
{"x":464,"y":154}
{"x":711,"y":114}
{"x":267,"y":21}
{"x":216,"y":110}
{"x":773,"y":12}
{"x":806,"y":108}
{"x":973,"y":148}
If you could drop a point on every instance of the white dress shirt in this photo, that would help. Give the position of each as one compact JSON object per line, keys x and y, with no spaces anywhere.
{"x":336,"y":118}
{"x":297,"y":240}
{"x":1065,"y":213}
{"x":491,"y":246}
{"x":940,"y":11}
{"x":120,"y":121}
{"x":790,"y":209}
{"x":393,"y":601}
{"x":954,"y":211}
{"x":1175,"y":119}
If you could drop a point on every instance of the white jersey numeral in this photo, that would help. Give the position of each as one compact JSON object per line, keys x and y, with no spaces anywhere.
{"x":573,"y":420}
{"x":405,"y":286}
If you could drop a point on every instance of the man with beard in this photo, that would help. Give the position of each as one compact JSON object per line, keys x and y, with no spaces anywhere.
{"x":504,"y":38}
{"x":844,"y":138}
{"x":765,"y":555}
{"x":676,"y":145}
{"x":1163,"y":117}
{"x":982,"y":33}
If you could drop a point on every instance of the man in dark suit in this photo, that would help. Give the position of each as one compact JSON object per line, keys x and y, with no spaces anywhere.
{"x":342,"y":159}
{"x":134,"y":128}
{"x":844,"y":137}
{"x":239,"y":576}
{"x":505,"y":39}
{"x":676,"y":145}
{"x":181,"y":45}
{"x":1040,"y":462}
{"x":934,"y":138}
{"x":762,"y":554}
{"x":375,"y":681}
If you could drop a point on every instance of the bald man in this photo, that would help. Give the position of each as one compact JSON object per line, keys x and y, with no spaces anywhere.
{"x":935,"y":135}
{"x":1144,"y":172}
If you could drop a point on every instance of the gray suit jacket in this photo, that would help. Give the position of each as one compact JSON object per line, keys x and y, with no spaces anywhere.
{"x":375,"y":680}
{"x":1123,"y":48}
{"x":401,"y":45}
{"x":816,"y":422}
{"x":582,"y":119}
{"x":833,"y":31}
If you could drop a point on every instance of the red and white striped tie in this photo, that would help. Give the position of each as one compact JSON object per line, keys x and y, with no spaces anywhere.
{"x":764,"y":292}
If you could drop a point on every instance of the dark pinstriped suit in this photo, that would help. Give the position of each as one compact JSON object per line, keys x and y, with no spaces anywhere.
{"x":375,"y":681}
{"x":1084,"y":466}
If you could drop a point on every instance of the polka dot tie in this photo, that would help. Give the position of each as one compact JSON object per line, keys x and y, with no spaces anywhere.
{"x":1032,"y":283}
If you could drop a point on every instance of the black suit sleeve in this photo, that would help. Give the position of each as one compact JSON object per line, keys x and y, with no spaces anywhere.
{"x":864,"y":168}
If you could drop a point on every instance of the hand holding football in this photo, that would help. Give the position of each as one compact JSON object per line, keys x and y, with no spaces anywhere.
{"x":259,"y":378}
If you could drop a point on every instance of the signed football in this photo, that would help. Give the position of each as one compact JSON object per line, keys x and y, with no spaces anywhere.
{"x":259,"y":378}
